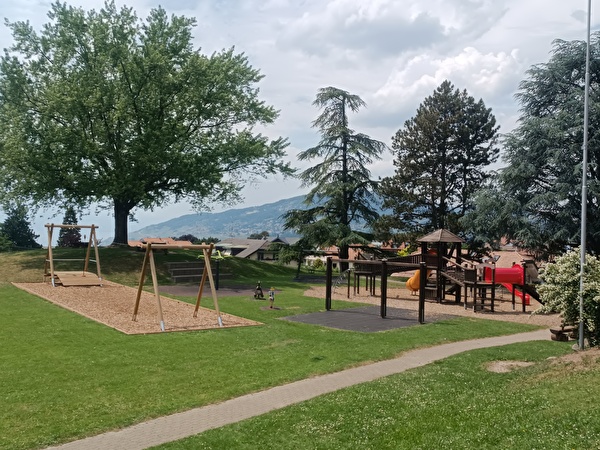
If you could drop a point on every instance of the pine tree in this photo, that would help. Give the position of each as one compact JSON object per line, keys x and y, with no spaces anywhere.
{"x":440,"y":158}
{"x":17,"y":229}
{"x":69,"y":237}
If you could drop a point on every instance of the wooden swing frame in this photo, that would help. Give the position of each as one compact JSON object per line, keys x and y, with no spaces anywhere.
{"x":73,"y":278}
{"x":207,"y":273}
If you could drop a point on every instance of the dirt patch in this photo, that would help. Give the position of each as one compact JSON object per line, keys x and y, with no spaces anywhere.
{"x":506,"y":366}
{"x":577,"y":361}
{"x":586,"y":358}
{"x":112,"y":304}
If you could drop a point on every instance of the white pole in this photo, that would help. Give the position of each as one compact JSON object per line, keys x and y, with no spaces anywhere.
{"x":584,"y":167}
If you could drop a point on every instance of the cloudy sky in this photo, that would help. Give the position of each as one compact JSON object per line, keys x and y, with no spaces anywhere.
{"x":392,"y":53}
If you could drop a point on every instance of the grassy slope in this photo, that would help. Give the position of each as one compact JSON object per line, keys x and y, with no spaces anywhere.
{"x":452,"y":404}
{"x":64,"y":376}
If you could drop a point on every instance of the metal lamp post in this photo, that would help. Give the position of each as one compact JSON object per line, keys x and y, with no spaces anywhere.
{"x":584,"y":166}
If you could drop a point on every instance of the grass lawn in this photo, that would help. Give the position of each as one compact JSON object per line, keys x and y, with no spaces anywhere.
{"x":64,"y":376}
{"x":452,"y":404}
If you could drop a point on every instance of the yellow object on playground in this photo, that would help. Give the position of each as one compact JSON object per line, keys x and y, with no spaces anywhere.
{"x":413,"y":282}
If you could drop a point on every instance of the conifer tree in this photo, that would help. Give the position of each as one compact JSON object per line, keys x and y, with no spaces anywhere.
{"x":441,"y":155}
{"x":69,"y":237}
{"x":343,"y":191}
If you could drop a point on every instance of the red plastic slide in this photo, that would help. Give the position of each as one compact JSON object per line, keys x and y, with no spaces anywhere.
{"x":508,"y":278}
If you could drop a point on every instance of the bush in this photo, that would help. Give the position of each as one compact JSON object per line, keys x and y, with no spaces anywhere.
{"x":560,"y":292}
{"x":318,"y":264}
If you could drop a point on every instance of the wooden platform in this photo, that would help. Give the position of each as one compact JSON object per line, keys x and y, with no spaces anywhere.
{"x":77,"y":279}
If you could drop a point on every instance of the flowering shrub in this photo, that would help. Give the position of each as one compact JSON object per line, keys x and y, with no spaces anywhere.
{"x":560,"y":292}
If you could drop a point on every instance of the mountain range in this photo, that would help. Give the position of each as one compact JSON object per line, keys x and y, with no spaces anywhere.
{"x":233,"y":223}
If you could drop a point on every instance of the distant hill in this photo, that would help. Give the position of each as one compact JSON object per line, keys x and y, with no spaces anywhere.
{"x":233,"y":223}
{"x":239,"y":223}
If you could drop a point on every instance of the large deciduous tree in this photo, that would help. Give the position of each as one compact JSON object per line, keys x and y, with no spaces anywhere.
{"x":539,"y":191}
{"x":343,"y":191}
{"x":102,"y":107}
{"x":441,"y":156}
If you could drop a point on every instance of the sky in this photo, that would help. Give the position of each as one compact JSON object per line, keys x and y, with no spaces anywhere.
{"x":391,"y":53}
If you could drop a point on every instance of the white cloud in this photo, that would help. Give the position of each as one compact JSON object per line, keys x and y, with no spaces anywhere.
{"x":392,"y":53}
{"x":479,"y":73}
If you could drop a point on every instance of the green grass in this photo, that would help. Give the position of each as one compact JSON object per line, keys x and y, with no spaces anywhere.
{"x":64,"y":377}
{"x":123,"y":265}
{"x":452,"y":404}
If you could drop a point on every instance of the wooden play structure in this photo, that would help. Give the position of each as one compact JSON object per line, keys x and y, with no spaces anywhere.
{"x":73,"y":278}
{"x":474,"y":283}
{"x":370,"y":270}
{"x":207,"y":273}
{"x":443,"y":273}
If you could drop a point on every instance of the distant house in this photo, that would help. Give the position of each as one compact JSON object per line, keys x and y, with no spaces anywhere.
{"x":255,"y":249}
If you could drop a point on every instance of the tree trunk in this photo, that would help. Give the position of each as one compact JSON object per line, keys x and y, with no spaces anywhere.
{"x":343,"y":254}
{"x":121,"y":210}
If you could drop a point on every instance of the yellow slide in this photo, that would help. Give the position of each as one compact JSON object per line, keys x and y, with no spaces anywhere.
{"x":414,"y":281}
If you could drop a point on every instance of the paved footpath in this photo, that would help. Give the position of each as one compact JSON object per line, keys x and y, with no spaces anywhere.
{"x":177,"y":426}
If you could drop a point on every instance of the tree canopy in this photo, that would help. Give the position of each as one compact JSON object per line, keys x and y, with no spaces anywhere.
{"x":536,"y":198}
{"x":441,"y":156}
{"x":102,"y":107}
{"x":262,"y":235}
{"x":343,"y":191}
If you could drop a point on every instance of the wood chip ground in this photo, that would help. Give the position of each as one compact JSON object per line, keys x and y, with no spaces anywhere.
{"x":112,"y":304}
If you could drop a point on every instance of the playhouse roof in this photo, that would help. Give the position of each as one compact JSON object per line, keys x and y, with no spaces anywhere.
{"x":441,"y":235}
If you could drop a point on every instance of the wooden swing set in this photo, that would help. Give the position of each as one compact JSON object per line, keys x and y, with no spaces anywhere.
{"x":73,"y":278}
{"x":207,"y":273}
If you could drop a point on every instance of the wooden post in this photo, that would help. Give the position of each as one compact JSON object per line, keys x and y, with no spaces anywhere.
{"x":218,"y":273}
{"x":513,"y":297}
{"x":422,"y":282}
{"x":348,"y":293}
{"x":328,"y":281}
{"x":524,"y":297}
{"x":49,"y":256}
{"x":207,"y":272}
{"x":141,"y":283}
{"x":88,"y":251}
{"x":155,"y":284}
{"x":383,"y":308}
{"x":200,"y":290}
{"x":493,"y":290}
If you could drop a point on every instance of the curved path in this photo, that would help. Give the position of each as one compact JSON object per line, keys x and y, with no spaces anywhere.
{"x":177,"y":426}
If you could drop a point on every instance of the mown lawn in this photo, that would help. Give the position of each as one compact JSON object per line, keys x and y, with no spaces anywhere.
{"x":452,"y":404}
{"x":63,"y":376}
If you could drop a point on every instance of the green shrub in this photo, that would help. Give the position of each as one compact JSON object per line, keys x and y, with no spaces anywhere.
{"x":560,"y":292}
{"x":318,"y":264}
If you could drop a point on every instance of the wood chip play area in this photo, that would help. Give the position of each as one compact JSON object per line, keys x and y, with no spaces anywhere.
{"x":112,"y":304}
{"x":129,"y":310}
{"x":135,"y":311}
